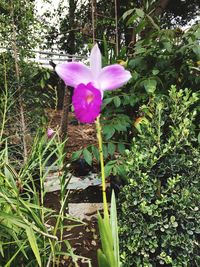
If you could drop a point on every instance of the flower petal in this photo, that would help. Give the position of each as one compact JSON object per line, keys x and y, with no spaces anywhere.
{"x":95,"y":61}
{"x":87,"y":103}
{"x":50,"y":133}
{"x":74,"y":73}
{"x":112,"y":77}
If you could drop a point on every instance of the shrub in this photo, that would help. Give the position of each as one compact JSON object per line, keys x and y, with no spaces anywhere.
{"x":159,"y":216}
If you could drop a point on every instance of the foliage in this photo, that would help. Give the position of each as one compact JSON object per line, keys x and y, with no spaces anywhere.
{"x":72,"y":31}
{"x":158,"y":59}
{"x":35,"y":100}
{"x":180,"y":12}
{"x":170,"y":13}
{"x":32,"y":234}
{"x":21,"y":14}
{"x":166,"y":57}
{"x":18,"y":36}
{"x":159,"y":207}
{"x":109,"y":255}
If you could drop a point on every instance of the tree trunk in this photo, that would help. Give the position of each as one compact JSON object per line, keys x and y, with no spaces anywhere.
{"x":71,"y":35}
{"x":70,"y":50}
{"x":65,"y":113}
{"x":60,"y":94}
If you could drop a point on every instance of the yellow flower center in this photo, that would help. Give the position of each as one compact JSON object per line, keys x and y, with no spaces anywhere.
{"x":89,"y":98}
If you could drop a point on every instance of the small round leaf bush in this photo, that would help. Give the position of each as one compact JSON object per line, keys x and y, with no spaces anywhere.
{"x":159,"y":210}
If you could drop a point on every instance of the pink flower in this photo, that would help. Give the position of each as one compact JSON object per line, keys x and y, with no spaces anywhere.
{"x":50,"y":133}
{"x":87,"y":102}
{"x":96,"y":77}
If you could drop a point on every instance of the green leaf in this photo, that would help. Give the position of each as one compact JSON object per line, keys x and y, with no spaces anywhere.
{"x":136,"y":62}
{"x":121,"y":148}
{"x":87,"y":156}
{"x":1,"y":249}
{"x":117,"y":101}
{"x":198,"y":138}
{"x":12,"y":219}
{"x":114,"y":228}
{"x":111,"y":148}
{"x":10,"y":176}
{"x":153,"y":22}
{"x":76,"y":154}
{"x":33,"y":244}
{"x":135,"y":76}
{"x":167,"y":46}
{"x":107,"y":101}
{"x":196,"y":50}
{"x":108,"y":131}
{"x":139,"y":12}
{"x":155,"y":71}
{"x":127,"y":13}
{"x":102,"y":260}
{"x":105,"y":151}
{"x":140,"y":26}
{"x":106,"y":240}
{"x":95,"y":152}
{"x":172,"y":219}
{"x":131,"y":20}
{"x":108,"y":169}
{"x":42,"y":83}
{"x":175,"y":224}
{"x":150,"y":85}
{"x":140,"y":50}
{"x":121,"y":124}
{"x":122,"y":171}
{"x":47,"y":75}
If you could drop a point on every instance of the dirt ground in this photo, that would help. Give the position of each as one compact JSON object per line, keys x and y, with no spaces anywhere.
{"x":78,"y":135}
{"x":83,"y":239}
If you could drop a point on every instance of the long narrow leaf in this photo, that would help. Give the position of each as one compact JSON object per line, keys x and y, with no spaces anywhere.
{"x":102,"y":261}
{"x":114,"y":228}
{"x":106,"y":240}
{"x":33,"y":244}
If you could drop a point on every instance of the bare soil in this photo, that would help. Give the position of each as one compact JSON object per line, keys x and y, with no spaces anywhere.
{"x":83,"y":239}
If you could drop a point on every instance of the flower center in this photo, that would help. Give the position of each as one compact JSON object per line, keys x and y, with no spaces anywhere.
{"x":89,"y":98}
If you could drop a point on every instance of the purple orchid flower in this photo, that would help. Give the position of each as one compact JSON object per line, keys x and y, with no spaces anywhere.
{"x":87,"y":102}
{"x":87,"y":81}
{"x":50,"y":133}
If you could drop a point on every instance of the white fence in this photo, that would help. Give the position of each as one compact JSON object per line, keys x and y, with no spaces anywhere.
{"x":44,"y":57}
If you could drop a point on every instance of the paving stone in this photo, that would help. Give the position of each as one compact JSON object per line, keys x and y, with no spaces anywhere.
{"x":84,"y":210}
{"x":52,"y":182}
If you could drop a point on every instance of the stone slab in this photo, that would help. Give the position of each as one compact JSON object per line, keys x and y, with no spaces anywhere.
{"x":84,"y":210}
{"x":52,"y":182}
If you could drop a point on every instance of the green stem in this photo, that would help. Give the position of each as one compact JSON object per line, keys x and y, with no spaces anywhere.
{"x":6,"y":99}
{"x":99,"y":137}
